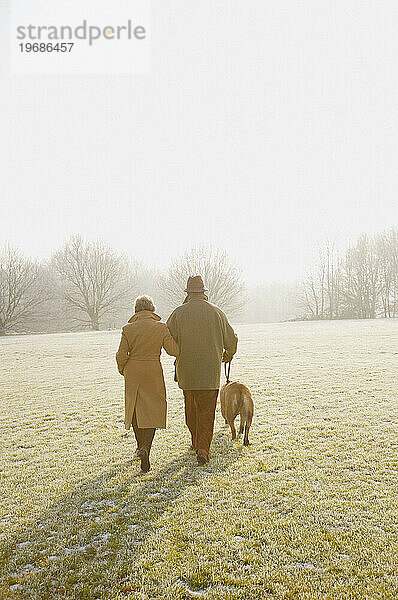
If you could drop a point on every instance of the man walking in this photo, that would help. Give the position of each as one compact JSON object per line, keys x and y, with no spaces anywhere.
{"x":205,"y":339}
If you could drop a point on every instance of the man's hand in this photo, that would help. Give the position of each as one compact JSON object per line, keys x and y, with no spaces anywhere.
{"x":226,"y":357}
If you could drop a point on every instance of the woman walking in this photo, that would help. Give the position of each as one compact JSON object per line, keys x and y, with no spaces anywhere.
{"x":138,"y":359}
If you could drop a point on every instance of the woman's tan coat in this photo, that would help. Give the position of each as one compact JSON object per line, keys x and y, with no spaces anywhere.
{"x":138,"y":359}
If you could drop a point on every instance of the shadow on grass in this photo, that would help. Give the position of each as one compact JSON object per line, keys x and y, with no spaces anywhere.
{"x":92,"y":537}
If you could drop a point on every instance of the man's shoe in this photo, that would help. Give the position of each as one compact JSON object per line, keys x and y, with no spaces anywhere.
{"x":145,"y":464}
{"x":202,"y":459}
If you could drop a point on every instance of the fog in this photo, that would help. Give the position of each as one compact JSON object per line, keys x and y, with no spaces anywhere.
{"x":262,"y":129}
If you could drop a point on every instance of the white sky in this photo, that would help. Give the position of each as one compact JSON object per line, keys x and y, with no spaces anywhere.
{"x":263,"y":128}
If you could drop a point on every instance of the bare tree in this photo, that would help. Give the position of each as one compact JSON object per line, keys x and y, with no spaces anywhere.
{"x":94,"y":281}
{"x":386,"y":274}
{"x":333,"y":280}
{"x":221,"y":276}
{"x":387,"y":248}
{"x":310,"y":298}
{"x":315,"y":287}
{"x":361,"y":279}
{"x":21,"y":289}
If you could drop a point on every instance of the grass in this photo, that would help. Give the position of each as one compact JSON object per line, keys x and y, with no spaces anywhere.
{"x":308,"y":511}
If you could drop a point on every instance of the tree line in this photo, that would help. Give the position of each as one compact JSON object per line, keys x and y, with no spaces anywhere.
{"x":359,"y":283}
{"x":87,"y":284}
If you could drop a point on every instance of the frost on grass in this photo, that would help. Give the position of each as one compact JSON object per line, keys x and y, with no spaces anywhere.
{"x":308,"y":511}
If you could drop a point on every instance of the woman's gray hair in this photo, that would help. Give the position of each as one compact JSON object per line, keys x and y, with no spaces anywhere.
{"x":144,"y":303}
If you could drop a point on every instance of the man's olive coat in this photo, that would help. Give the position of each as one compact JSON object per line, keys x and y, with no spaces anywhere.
{"x":203,"y":333}
{"x":138,"y":359}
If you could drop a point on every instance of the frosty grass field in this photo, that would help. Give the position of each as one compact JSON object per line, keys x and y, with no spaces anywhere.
{"x":309,"y":510}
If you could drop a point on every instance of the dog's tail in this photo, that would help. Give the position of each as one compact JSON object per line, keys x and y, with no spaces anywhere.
{"x":234,"y":406}
{"x":241,"y":400}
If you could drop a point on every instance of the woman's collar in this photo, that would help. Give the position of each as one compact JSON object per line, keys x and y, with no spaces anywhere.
{"x":144,"y":314}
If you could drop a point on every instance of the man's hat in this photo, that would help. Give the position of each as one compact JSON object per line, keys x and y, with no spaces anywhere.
{"x":195,"y":285}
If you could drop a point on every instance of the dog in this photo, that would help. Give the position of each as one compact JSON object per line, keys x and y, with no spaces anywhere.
{"x":236,"y":399}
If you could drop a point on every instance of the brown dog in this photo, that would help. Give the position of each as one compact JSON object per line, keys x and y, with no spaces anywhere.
{"x":236,"y":399}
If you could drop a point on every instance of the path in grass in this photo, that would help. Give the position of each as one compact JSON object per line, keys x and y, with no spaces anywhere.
{"x":309,"y":510}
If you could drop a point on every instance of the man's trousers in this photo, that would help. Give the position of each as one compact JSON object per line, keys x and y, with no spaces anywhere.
{"x":200,"y":409}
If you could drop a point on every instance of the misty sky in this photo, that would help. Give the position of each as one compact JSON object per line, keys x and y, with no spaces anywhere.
{"x":263,"y":128}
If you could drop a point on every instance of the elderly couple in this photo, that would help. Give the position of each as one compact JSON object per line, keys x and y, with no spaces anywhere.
{"x":200,"y":336}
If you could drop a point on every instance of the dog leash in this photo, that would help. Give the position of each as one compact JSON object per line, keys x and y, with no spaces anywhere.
{"x":227,"y":370}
